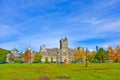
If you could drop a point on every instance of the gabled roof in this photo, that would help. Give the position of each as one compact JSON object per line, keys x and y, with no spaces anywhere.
{"x":15,"y":49}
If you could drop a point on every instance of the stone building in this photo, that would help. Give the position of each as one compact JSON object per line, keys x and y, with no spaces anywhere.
{"x":14,"y":54}
{"x":50,"y":54}
{"x":63,"y":54}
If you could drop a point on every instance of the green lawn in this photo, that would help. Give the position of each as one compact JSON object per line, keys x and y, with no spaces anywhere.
{"x":59,"y":72}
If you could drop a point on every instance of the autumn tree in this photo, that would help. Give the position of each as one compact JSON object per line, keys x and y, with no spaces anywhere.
{"x":112,"y":54}
{"x":27,"y":56}
{"x":79,"y":55}
{"x":118,"y":54}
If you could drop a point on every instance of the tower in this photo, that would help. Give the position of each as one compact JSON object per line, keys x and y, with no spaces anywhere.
{"x":97,"y":48}
{"x":15,"y":52}
{"x":64,"y":49}
{"x":43,"y":52}
{"x":29,"y":47}
{"x":43,"y":48}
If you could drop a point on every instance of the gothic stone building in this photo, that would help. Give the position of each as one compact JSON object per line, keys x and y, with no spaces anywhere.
{"x":14,"y":54}
{"x":63,"y":54}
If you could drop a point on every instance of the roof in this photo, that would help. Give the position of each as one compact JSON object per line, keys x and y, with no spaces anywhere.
{"x":15,"y":49}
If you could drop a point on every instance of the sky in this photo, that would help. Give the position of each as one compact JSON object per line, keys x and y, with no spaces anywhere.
{"x":87,"y":23}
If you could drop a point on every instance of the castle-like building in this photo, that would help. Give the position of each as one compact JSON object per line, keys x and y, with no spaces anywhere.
{"x":63,"y":54}
{"x":59,"y":55}
{"x":14,"y":54}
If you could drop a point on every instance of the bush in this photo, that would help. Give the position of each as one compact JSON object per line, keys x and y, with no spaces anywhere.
{"x":3,"y":62}
{"x":46,"y":60}
{"x":17,"y":60}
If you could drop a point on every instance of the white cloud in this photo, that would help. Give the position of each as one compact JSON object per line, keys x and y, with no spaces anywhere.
{"x":35,"y":41}
{"x":105,"y":3}
{"x":70,"y":25}
{"x":7,"y":31}
{"x":109,"y":26}
{"x":110,"y":2}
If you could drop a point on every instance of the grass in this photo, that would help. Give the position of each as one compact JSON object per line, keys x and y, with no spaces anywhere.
{"x":59,"y":72}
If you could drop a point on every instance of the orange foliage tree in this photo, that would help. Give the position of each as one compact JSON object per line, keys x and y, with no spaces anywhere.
{"x":112,"y":54}
{"x":27,"y":56}
{"x":118,"y":54}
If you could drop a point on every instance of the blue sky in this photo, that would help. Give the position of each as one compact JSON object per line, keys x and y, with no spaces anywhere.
{"x":86,"y":23}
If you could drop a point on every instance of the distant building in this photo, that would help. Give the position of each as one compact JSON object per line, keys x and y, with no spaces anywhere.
{"x":97,"y":48}
{"x":80,"y":48}
{"x":61,"y":55}
{"x":48,"y":53}
{"x":14,"y":54}
{"x":58,"y":55}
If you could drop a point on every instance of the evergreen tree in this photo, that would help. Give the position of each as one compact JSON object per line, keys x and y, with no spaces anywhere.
{"x":46,"y":60}
{"x":51,"y":59}
{"x":91,"y":57}
{"x":37,"y":58}
{"x":101,"y":55}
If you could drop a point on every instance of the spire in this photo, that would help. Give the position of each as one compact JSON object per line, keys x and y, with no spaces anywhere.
{"x":87,"y":50}
{"x":65,"y":38}
{"x":29,"y":47}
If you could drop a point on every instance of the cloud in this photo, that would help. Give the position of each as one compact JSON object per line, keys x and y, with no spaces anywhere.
{"x":103,"y":33}
{"x":46,"y":22}
{"x":35,"y":41}
{"x":111,"y":26}
{"x":7,"y":31}
{"x":107,"y":3}
{"x":75,"y":33}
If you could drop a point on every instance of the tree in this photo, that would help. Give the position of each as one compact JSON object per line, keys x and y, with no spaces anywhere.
{"x":17,"y":60}
{"x":91,"y":57}
{"x":79,"y":55}
{"x":3,"y":54}
{"x":46,"y":60}
{"x":37,"y":58}
{"x":51,"y":59}
{"x":112,"y":54}
{"x":101,"y":55}
{"x":27,"y":56}
{"x":118,"y":54}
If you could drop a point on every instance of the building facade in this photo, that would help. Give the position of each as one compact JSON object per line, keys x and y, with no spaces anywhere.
{"x":63,"y":54}
{"x":58,"y":55}
{"x":14,"y":54}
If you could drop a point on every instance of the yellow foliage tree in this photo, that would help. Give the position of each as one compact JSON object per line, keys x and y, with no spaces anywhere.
{"x":79,"y":55}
